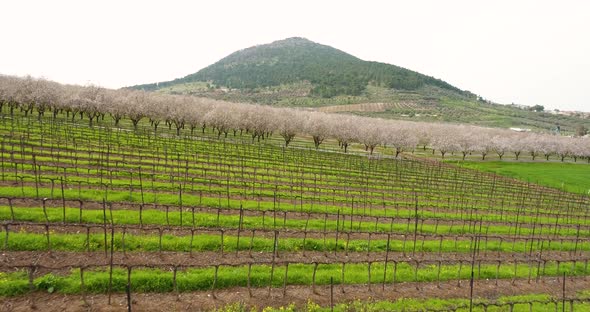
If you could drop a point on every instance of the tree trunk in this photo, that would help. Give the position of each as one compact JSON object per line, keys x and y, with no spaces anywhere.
{"x":317,"y":141}
{"x":288,"y":138}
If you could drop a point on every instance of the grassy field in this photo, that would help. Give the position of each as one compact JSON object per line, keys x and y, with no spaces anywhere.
{"x":570,"y":177}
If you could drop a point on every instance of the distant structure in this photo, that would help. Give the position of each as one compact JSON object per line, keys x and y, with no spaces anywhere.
{"x":520,"y":130}
{"x":571,"y":113}
{"x":521,"y":106}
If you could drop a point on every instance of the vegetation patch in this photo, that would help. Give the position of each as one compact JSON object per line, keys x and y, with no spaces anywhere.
{"x":569,"y":177}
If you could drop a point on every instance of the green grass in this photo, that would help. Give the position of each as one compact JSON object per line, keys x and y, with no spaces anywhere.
{"x":564,"y":176}
{"x":23,"y":241}
{"x":194,"y":279}
{"x":542,"y":302}
{"x":156,"y":217}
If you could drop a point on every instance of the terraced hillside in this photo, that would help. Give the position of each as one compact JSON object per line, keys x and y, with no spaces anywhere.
{"x":138,"y":219}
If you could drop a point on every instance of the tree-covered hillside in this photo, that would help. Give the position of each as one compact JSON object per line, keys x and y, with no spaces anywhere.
{"x":331,"y":72}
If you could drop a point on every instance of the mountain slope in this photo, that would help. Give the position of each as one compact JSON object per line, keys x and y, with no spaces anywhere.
{"x":331,"y":72}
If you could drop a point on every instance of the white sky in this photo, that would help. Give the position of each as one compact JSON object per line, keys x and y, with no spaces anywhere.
{"x":526,"y":52}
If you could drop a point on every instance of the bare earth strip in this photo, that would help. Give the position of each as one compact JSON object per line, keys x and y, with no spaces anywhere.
{"x":207,"y":300}
{"x":64,"y":261}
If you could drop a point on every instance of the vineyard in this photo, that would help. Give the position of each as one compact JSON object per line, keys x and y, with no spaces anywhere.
{"x":124,"y":215}
{"x":369,"y":107}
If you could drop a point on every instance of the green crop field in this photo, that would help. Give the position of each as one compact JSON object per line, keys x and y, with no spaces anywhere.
{"x":132,"y":217}
{"x":565,"y":176}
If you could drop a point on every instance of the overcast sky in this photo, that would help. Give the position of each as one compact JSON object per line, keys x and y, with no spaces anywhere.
{"x":526,"y":52}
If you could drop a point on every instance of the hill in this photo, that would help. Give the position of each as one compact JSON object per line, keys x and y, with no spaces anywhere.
{"x":297,"y":72}
{"x":330,"y":71}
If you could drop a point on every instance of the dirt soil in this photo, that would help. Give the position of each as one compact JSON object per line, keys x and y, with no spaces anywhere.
{"x":62,"y":262}
{"x":261,"y":297}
